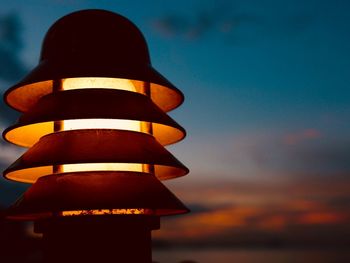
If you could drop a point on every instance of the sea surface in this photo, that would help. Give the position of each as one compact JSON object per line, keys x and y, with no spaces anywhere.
{"x":252,"y":256}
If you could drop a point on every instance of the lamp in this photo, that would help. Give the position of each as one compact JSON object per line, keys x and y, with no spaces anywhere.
{"x":94,"y":120}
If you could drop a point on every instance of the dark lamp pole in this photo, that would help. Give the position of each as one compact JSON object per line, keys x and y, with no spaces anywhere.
{"x":94,"y":120}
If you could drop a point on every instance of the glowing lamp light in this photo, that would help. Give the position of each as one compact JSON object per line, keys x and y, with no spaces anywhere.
{"x":129,"y":211}
{"x":91,"y":83}
{"x":106,"y":83}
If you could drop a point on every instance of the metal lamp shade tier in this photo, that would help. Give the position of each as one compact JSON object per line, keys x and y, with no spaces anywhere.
{"x":98,"y":193}
{"x":92,"y":105}
{"x":94,"y":146}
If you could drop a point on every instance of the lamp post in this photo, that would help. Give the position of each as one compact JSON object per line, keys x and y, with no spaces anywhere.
{"x":94,"y":120}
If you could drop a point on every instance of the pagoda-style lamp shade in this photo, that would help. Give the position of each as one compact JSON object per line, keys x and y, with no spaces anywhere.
{"x":94,"y":119}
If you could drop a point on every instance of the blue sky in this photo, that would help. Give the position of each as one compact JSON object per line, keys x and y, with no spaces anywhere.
{"x":266,"y":85}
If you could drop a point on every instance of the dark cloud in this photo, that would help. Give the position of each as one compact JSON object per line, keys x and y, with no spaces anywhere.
{"x":7,"y":115}
{"x":218,"y":20}
{"x":171,"y":24}
{"x":198,"y":208}
{"x":10,"y":31}
{"x":228,"y":22}
{"x":340,"y":202}
{"x":11,"y":66}
{"x":302,"y":153}
{"x":12,"y":69}
{"x":301,"y":213}
{"x":9,"y":190}
{"x":326,"y":157}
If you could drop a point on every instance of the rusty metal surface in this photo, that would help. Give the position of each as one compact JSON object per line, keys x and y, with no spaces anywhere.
{"x":51,"y":195}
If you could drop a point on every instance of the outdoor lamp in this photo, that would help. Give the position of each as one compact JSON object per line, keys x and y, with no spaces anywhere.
{"x":94,"y":120}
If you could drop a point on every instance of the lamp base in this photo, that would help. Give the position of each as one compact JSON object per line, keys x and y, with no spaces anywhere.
{"x":120,"y":238}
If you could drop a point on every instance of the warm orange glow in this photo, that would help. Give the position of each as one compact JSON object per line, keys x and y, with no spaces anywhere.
{"x":93,"y":83}
{"x":84,"y":167}
{"x":107,"y":83}
{"x":314,"y":218}
{"x":29,"y":175}
{"x":28,"y":135}
{"x":273,"y":222}
{"x":130,"y":125}
{"x":125,"y":211}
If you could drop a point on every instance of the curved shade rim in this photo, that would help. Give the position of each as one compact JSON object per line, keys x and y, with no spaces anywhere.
{"x":19,"y":126}
{"x":151,"y":75}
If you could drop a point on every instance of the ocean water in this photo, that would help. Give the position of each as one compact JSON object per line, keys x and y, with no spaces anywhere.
{"x":252,"y":256}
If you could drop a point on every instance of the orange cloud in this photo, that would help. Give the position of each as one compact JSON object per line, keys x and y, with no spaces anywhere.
{"x":209,"y":223}
{"x":273,"y":223}
{"x":259,"y":210}
{"x":314,"y":218}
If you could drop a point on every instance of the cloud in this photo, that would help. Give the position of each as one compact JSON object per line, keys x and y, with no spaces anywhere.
{"x":9,"y":190}
{"x":171,"y":25}
{"x":9,"y":153}
{"x":12,"y":69}
{"x":298,"y":195}
{"x":262,"y":213}
{"x":11,"y":66}
{"x":232,"y":23}
{"x":218,"y":19}
{"x":268,"y":153}
{"x":7,"y":114}
{"x":330,"y":157}
{"x":307,"y":152}
{"x":299,"y":137}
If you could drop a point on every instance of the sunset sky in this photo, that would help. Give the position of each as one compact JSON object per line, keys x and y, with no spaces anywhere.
{"x":267,"y":111}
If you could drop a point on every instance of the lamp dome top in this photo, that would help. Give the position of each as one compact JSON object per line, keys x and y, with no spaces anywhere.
{"x":95,"y":35}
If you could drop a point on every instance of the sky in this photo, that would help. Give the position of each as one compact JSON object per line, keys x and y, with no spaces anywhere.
{"x":267,"y":111}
